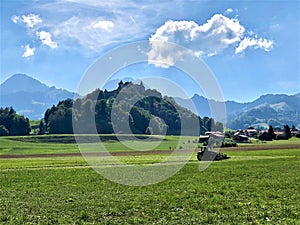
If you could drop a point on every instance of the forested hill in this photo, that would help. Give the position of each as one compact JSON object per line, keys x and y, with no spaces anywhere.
{"x":151,"y":114}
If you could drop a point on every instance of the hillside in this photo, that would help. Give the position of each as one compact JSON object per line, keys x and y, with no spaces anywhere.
{"x":129,"y":108}
{"x":275,"y":110}
{"x":29,"y":96}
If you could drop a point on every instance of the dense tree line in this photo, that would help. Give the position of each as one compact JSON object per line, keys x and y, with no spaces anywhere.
{"x":271,"y":135}
{"x":13,"y":124}
{"x":151,"y":113}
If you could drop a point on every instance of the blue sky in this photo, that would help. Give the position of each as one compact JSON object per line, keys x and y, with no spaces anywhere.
{"x":252,"y":47}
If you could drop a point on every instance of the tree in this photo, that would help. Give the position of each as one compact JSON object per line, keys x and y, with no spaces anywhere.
{"x":42,"y":127}
{"x":219,"y":127}
{"x":287,"y":132}
{"x":13,"y":123}
{"x":141,"y":119}
{"x":3,"y":131}
{"x":58,"y":119}
{"x":20,"y":126}
{"x":271,"y":132}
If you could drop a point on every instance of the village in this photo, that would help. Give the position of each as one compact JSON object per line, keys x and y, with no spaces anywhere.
{"x":250,"y":135}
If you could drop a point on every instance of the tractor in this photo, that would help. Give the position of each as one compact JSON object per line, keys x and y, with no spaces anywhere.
{"x":207,"y":153}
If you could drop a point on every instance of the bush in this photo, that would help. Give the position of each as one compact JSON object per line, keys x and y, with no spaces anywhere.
{"x":281,"y":137}
{"x":228,"y":144}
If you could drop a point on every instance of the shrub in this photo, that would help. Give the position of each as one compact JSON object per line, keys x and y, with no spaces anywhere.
{"x":228,"y":144}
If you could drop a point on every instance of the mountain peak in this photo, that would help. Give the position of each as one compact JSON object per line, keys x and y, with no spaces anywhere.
{"x":29,"y":96}
{"x":21,"y":83}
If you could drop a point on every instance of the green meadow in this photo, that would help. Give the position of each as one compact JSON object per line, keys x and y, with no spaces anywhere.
{"x":252,"y":187}
{"x":60,"y":144}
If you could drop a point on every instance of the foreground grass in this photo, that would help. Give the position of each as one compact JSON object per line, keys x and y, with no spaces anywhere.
{"x":253,"y":187}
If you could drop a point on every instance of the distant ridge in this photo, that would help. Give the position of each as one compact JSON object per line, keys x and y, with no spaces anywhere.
{"x":29,"y":96}
{"x":270,"y":109}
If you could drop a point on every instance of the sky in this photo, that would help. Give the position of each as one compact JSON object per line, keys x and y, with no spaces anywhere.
{"x":251,"y":47}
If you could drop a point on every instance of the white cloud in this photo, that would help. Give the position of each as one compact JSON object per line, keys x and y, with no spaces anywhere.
{"x":208,"y":39}
{"x":81,"y":32}
{"x":15,"y":19}
{"x":71,"y":22}
{"x":86,"y":33}
{"x":247,"y":42}
{"x":166,"y":55}
{"x":45,"y":37}
{"x":28,"y":51}
{"x":228,"y":11}
{"x":104,"y":25}
{"x":77,"y":26}
{"x":30,"y":20}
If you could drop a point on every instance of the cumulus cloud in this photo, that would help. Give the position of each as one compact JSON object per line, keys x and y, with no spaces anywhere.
{"x":247,"y":42}
{"x":45,"y":37}
{"x":208,"y":39}
{"x":28,"y":51}
{"x":166,"y":55}
{"x":30,"y":20}
{"x":104,"y":25}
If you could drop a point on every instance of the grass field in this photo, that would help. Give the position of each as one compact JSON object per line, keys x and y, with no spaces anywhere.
{"x":252,"y":187}
{"x":59,"y":144}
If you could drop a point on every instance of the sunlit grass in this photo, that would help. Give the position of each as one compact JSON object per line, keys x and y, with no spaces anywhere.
{"x":252,"y":187}
{"x":257,"y":191}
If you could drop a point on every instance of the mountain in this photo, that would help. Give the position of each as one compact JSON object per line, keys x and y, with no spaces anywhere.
{"x":270,"y":109}
{"x":29,"y":96}
{"x":21,"y":83}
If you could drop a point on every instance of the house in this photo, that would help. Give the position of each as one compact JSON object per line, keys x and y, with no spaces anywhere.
{"x":241,"y":138}
{"x":214,"y":134}
{"x":203,"y":138}
{"x":295,"y":132}
{"x":251,"y":132}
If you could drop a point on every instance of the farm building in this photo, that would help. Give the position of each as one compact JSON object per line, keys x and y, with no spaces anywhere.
{"x":213,"y":134}
{"x":251,"y":132}
{"x":241,"y":138}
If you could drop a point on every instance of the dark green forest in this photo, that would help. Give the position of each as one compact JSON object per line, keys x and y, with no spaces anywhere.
{"x":13,"y":124}
{"x":151,"y":113}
